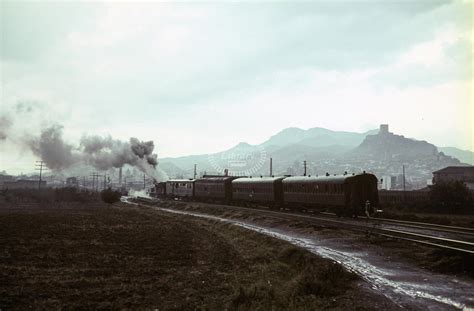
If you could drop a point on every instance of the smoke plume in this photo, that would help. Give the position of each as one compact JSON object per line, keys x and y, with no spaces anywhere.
{"x":102,"y":153}
{"x":5,"y":124}
{"x":51,"y":148}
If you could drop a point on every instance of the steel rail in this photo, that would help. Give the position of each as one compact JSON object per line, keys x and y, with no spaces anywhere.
{"x":420,"y":225}
{"x":439,"y":242}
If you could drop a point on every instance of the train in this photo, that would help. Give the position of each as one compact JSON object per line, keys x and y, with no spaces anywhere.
{"x":345,"y":195}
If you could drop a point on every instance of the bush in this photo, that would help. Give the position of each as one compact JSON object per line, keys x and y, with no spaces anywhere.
{"x":47,"y":195}
{"x":451,"y":196}
{"x":110,"y":196}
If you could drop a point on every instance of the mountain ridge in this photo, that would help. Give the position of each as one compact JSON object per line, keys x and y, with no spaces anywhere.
{"x":325,"y":150}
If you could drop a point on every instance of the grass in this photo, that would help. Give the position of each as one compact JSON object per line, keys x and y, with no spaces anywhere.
{"x":104,"y":257}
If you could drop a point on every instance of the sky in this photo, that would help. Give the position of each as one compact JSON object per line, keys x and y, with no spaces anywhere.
{"x":200,"y":77}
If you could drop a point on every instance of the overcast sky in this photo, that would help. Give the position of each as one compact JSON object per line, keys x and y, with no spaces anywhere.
{"x":201,"y":77}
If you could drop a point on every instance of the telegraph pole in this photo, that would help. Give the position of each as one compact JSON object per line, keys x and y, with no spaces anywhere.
{"x":144,"y":181}
{"x":304,"y":164}
{"x":40,"y":167}
{"x":271,"y":167}
{"x":92,"y":176}
{"x":95,"y":181}
{"x":195,"y":171}
{"x":403,"y":168}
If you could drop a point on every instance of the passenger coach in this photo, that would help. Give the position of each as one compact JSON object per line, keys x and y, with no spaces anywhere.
{"x":343,"y":194}
{"x":267,"y":190}
{"x":180,"y":188}
{"x":214,"y":188}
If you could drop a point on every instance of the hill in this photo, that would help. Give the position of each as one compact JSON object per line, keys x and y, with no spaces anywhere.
{"x":381,"y":152}
{"x":465,"y":156}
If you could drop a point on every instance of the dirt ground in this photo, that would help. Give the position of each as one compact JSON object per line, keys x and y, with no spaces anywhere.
{"x":429,"y":258}
{"x":129,"y":257}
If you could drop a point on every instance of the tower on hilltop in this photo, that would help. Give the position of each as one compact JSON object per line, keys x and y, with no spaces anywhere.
{"x":383,"y":129}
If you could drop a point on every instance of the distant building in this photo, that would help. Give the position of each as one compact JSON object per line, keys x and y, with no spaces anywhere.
{"x":383,"y":129}
{"x":453,"y":173}
{"x":5,"y":178}
{"x":23,"y":184}
{"x":72,"y":182}
{"x":388,"y":182}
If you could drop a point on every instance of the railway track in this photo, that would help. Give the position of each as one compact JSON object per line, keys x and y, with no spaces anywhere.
{"x":430,"y":236}
{"x":419,"y":225}
{"x":457,"y":239}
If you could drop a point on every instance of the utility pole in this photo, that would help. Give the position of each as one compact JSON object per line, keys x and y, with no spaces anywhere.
{"x":95,"y":181}
{"x":40,"y":167}
{"x":304,"y":164}
{"x":93,"y":176}
{"x":403,"y":168}
{"x":195,"y":173}
{"x":105,"y":181}
{"x":271,"y":167}
{"x":144,"y":181}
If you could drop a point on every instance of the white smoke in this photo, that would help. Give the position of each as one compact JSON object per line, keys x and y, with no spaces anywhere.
{"x":139,"y":193}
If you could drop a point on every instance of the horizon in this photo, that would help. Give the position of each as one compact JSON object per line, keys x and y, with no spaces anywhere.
{"x":198,"y":78}
{"x":30,"y":171}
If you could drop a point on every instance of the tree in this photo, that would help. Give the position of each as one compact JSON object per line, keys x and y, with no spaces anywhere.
{"x":453,"y":196}
{"x":110,"y":196}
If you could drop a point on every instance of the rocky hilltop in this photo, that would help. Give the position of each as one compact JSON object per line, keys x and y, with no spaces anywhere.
{"x":387,"y":153}
{"x":386,"y":145}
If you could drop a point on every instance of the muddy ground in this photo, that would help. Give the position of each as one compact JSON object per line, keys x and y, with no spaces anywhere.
{"x":425,"y":257}
{"x":85,"y":256}
{"x":412,"y":276}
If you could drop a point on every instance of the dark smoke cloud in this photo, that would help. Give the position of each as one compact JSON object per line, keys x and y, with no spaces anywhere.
{"x":52,"y":149}
{"x":102,"y":153}
{"x":144,"y":150}
{"x":5,"y":124}
{"x":105,"y":152}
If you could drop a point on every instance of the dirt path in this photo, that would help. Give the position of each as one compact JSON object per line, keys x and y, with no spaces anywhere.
{"x":403,"y":283}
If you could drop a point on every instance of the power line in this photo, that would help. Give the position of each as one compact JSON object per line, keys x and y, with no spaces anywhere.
{"x":95,"y":181}
{"x":40,"y":167}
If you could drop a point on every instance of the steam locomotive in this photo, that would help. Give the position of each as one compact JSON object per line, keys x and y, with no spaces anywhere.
{"x":343,"y":194}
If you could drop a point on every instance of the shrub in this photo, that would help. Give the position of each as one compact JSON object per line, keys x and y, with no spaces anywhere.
{"x":110,"y":196}
{"x":47,"y":195}
{"x":452,"y":196}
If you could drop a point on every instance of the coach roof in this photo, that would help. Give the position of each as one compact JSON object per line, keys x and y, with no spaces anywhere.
{"x":216,"y":179}
{"x":254,"y":180}
{"x":181,"y":180}
{"x":317,"y":179}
